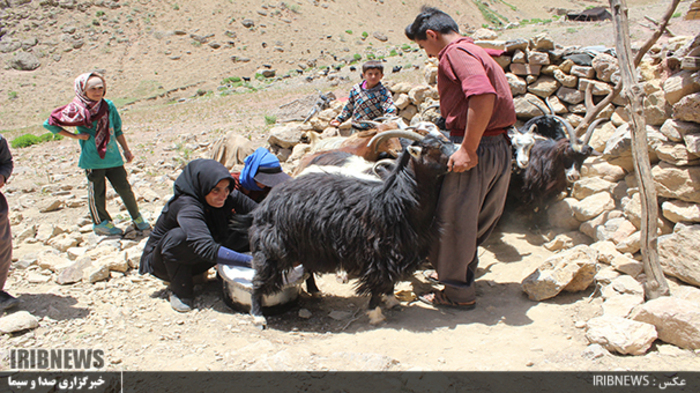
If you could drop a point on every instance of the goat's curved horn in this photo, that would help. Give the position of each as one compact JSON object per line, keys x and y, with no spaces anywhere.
{"x":569,"y":129}
{"x":551,"y":110}
{"x":539,"y":106}
{"x":380,"y":163}
{"x":589,"y":131}
{"x":373,"y":123}
{"x":429,"y":108}
{"x":382,"y":136}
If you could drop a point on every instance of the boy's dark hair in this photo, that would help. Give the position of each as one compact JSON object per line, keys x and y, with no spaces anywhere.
{"x":430,"y":18}
{"x":373,"y":65}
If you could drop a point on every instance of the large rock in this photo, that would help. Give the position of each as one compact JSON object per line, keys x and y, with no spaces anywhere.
{"x":53,"y":262}
{"x":287,"y":136}
{"x":615,"y":230}
{"x":544,"y":86}
{"x":17,"y":322}
{"x":676,"y":154}
{"x":679,"y":253}
{"x":600,"y":167}
{"x":561,"y":214}
{"x":589,"y":186}
{"x":231,"y":149}
{"x":688,"y":108}
{"x":524,"y":107}
{"x":591,"y":226}
{"x":679,"y":211}
{"x":542,"y":42}
{"x":570,"y":96}
{"x":573,"y":270}
{"x":74,"y":273}
{"x":677,"y":182}
{"x":680,"y":85}
{"x":623,"y":285}
{"x":627,"y":265}
{"x":675,"y":130}
{"x":632,"y":244}
{"x":677,"y":321}
{"x":621,"y":305}
{"x":593,"y":206}
{"x":621,"y":335}
{"x":518,"y":86}
{"x":565,"y":79}
{"x":606,"y":67}
{"x":65,"y":241}
{"x":25,"y":61}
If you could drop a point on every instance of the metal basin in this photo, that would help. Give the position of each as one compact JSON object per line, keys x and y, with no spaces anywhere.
{"x":238,"y":289}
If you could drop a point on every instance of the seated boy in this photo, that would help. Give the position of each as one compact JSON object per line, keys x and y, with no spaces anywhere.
{"x":368,"y":99}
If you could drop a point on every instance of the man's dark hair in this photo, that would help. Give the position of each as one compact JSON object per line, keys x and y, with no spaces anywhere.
{"x":373,"y":65}
{"x":430,"y":18}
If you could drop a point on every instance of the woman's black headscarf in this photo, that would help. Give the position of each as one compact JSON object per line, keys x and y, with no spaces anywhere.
{"x":197,"y":180}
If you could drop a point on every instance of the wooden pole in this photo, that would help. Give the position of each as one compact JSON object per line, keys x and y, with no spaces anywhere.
{"x":656,"y":284}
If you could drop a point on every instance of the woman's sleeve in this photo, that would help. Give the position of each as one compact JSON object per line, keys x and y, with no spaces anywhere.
{"x":242,"y":203}
{"x":191,"y":221}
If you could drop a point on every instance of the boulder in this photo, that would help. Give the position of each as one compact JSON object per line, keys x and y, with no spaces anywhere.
{"x":623,"y":285}
{"x":573,"y":270}
{"x":676,"y":154}
{"x":74,"y":273}
{"x":53,"y":262}
{"x":544,"y":87}
{"x":627,"y":265}
{"x":287,"y":136}
{"x":231,"y":149}
{"x":621,"y":335}
{"x":542,"y":42}
{"x":17,"y":322}
{"x":632,"y":244}
{"x":677,"y":321}
{"x":679,"y":253}
{"x":600,"y":167}
{"x":675,"y":130}
{"x":518,"y":86}
{"x":621,"y":305}
{"x":679,"y":211}
{"x":25,"y":61}
{"x":606,"y":67}
{"x":615,"y":230}
{"x":688,"y":108}
{"x":590,"y":227}
{"x":589,"y":186}
{"x":680,"y":85}
{"x":537,"y":58}
{"x":569,"y":95}
{"x":593,"y":206}
{"x":677,"y":182}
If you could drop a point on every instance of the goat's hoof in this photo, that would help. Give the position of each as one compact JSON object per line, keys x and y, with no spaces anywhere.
{"x":390,"y":301}
{"x":375,"y":316}
{"x":259,"y":321}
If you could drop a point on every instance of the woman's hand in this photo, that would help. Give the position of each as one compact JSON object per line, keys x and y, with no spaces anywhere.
{"x":128,"y":155}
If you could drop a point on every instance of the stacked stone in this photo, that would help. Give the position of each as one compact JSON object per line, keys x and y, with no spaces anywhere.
{"x":605,"y":205}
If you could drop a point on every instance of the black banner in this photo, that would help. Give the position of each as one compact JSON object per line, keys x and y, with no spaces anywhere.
{"x":348,"y":382}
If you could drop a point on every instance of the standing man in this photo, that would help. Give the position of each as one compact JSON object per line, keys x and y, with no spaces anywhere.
{"x":477,"y":105}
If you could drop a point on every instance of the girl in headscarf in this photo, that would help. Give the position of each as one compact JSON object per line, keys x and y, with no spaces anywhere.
{"x":99,"y":125}
{"x":187,"y":238}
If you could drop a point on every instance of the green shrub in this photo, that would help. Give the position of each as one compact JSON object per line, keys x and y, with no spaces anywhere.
{"x":393,"y":53}
{"x":406,"y":47}
{"x":230,"y":79}
{"x":12,"y":95}
{"x":99,"y":13}
{"x":357,"y":56}
{"x":365,"y":34}
{"x":270,"y":119}
{"x":30,"y":139}
{"x":348,"y":31}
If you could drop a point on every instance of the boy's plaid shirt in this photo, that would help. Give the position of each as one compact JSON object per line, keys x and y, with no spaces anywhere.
{"x":367,"y":104}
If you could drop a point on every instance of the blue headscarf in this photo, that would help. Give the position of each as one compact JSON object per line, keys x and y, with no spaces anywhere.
{"x":261,"y":158}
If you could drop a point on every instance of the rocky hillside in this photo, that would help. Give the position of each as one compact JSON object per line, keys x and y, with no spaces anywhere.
{"x":155,"y":48}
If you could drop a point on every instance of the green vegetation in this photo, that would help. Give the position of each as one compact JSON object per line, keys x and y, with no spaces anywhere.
{"x":99,"y":13}
{"x":676,"y":15}
{"x":371,"y":56}
{"x":27,"y":140}
{"x":270,"y":119}
{"x":571,"y":30}
{"x":365,"y":34}
{"x":12,"y":95}
{"x":230,"y":80}
{"x":393,"y":53}
{"x":176,"y":7}
{"x":406,"y":47}
{"x":493,"y":17}
{"x":95,"y":22}
{"x":348,"y":31}
{"x":357,"y":56}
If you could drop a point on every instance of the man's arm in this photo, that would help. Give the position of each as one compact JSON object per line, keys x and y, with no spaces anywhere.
{"x":478,"y":118}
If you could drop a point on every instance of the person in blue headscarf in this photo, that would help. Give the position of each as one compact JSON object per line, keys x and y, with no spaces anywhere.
{"x":261,"y":172}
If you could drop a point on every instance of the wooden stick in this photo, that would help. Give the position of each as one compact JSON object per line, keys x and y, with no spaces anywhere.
{"x":656,"y":284}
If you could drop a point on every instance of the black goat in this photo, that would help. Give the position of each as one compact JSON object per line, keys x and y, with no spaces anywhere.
{"x":554,"y":164}
{"x":376,"y":231}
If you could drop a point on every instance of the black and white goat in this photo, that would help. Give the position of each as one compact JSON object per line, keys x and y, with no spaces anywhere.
{"x":554,"y":164}
{"x":378,"y":231}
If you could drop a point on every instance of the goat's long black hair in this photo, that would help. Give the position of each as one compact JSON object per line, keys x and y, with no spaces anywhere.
{"x":377,"y":231}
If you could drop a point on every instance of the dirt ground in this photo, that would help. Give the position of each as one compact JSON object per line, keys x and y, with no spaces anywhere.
{"x":129,"y":317}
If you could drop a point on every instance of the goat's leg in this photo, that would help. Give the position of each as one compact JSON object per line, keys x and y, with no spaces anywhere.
{"x":375,"y":312}
{"x":311,"y":287}
{"x":256,"y":308}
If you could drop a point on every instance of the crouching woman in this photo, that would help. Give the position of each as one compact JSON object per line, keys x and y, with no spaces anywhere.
{"x":187,"y":238}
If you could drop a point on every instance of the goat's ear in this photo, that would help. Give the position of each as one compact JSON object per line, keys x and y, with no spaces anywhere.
{"x":415,"y":151}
